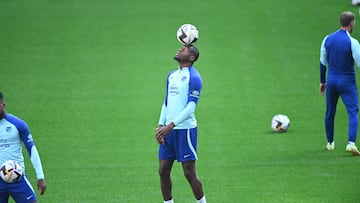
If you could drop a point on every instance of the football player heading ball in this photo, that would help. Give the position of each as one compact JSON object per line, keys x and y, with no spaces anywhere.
{"x":177,"y":127}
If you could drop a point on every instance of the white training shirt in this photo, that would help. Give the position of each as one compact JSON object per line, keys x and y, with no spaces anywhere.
{"x":14,"y":132}
{"x":182,"y":94}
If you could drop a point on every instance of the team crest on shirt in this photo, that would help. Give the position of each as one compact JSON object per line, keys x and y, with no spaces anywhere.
{"x":183,"y":78}
{"x":8,"y":129}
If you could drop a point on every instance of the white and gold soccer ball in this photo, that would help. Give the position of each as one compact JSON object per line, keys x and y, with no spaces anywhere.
{"x":11,"y":171}
{"x":280,"y":123}
{"x":187,"y":34}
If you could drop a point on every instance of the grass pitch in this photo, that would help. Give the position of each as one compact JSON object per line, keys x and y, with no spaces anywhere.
{"x":89,"y":77}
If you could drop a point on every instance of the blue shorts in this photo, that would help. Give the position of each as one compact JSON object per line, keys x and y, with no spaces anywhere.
{"x":180,"y":145}
{"x":21,"y":191}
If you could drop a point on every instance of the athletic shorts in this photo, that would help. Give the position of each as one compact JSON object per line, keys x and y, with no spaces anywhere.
{"x":21,"y":191}
{"x":180,"y":145}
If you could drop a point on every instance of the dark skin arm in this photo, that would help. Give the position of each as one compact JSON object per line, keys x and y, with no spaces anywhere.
{"x":322,"y":88}
{"x":41,"y":186}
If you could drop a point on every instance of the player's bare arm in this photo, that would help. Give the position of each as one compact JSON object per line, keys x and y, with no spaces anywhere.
{"x":41,"y":186}
{"x":322,"y":88}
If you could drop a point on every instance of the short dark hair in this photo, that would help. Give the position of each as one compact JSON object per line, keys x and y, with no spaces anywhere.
{"x":194,"y":51}
{"x":346,"y":18}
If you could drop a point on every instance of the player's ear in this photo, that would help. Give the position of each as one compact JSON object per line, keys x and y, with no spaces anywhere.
{"x":192,"y":58}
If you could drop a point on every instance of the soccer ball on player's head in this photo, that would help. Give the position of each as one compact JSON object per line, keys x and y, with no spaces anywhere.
{"x":280,"y":123}
{"x":11,"y":171}
{"x":187,"y":34}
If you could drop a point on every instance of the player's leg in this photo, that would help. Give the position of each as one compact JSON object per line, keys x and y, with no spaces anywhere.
{"x":186,"y":153}
{"x":4,"y":195}
{"x":22,"y":191}
{"x":166,"y":160}
{"x":193,"y":179}
{"x":350,"y":99}
{"x":332,"y":97}
{"x":165,"y":180}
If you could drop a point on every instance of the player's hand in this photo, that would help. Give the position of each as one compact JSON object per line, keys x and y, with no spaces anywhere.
{"x":162,"y":131}
{"x":159,"y":139}
{"x":322,"y":88}
{"x":41,"y":186}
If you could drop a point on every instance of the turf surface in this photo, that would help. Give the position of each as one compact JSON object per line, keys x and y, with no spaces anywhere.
{"x":89,"y":77}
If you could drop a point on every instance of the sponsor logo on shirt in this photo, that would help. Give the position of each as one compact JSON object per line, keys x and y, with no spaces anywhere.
{"x":195,"y":93}
{"x":4,"y":144}
{"x":173,"y":90}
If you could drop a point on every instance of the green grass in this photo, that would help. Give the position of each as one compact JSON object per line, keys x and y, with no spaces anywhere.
{"x":89,"y":76}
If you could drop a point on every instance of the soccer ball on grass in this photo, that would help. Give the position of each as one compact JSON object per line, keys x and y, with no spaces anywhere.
{"x":280,"y":123}
{"x":187,"y":34}
{"x":11,"y":171}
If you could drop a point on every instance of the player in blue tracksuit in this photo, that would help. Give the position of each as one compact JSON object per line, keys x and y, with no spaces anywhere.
{"x":177,"y":126}
{"x":337,"y":53}
{"x":14,"y":132}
